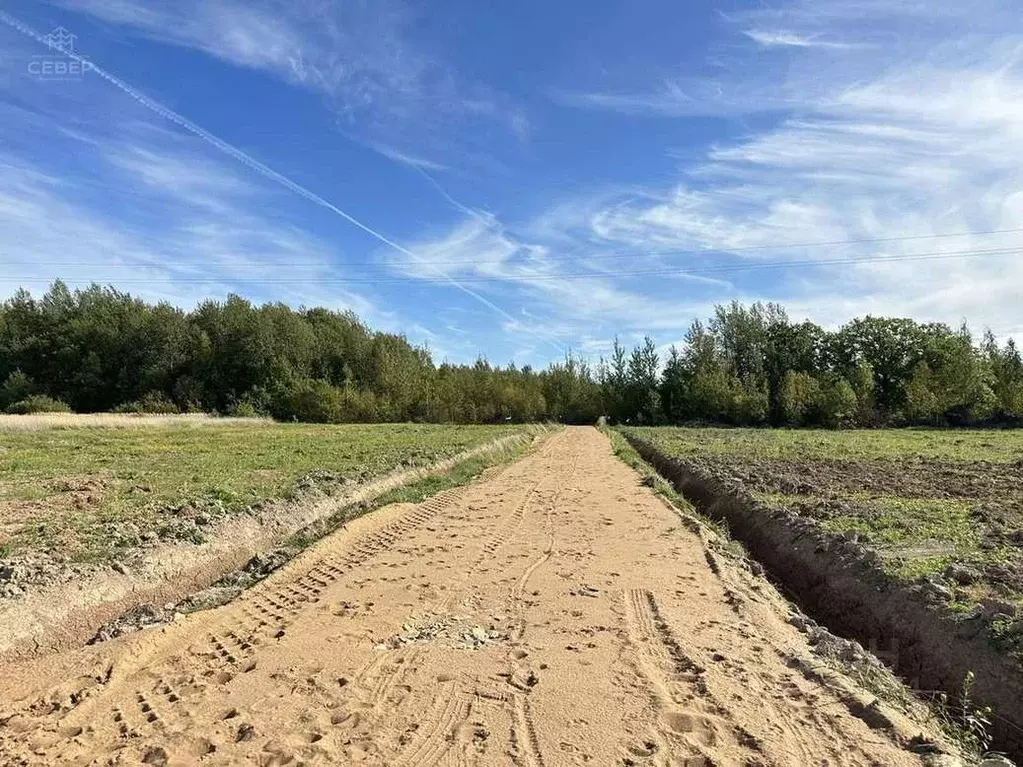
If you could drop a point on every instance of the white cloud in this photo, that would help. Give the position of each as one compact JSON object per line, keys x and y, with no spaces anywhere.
{"x":246,"y":35}
{"x":405,"y":159}
{"x":865,"y":123}
{"x":171,"y":223}
{"x":912,"y":141}
{"x":918,"y":137}
{"x":579,"y":302}
{"x":671,"y":98}
{"x":777,"y":37}
{"x":388,"y":89}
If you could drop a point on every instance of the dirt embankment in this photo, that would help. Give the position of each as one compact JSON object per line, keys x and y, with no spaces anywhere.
{"x":64,"y":615}
{"x":556,"y":612}
{"x":840,"y":583}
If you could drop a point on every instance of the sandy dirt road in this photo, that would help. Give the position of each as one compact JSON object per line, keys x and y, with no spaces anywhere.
{"x":554,"y":613}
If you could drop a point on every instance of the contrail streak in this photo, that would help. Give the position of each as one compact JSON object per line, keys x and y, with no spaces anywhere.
{"x":486,"y":220}
{"x":263,"y":170}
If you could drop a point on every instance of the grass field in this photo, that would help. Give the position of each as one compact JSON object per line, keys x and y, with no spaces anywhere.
{"x":858,"y":445}
{"x":44,"y":421}
{"x":944,"y":507}
{"x":86,"y":490}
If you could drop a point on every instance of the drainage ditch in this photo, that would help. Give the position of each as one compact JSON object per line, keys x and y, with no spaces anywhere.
{"x":839,"y":583}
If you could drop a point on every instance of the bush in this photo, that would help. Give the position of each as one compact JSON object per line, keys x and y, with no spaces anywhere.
{"x":154,"y":403}
{"x":709,"y":395}
{"x":16,"y":388}
{"x":922,"y":405}
{"x":836,"y":403}
{"x":307,"y":400}
{"x":316,"y":401}
{"x":245,"y":409}
{"x":38,"y":403}
{"x":359,"y":406}
{"x":749,"y":405}
{"x":258,"y":401}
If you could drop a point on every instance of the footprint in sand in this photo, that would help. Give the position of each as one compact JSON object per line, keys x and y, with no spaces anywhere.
{"x":201,"y":747}
{"x":697,"y":727}
{"x":645,"y":749}
{"x":276,"y":754}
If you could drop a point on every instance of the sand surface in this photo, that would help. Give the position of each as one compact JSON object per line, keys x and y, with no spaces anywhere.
{"x":555,"y":613}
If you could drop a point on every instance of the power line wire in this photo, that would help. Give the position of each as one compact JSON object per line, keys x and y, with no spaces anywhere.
{"x":445,"y":278}
{"x":523,"y":277}
{"x":617,"y":254}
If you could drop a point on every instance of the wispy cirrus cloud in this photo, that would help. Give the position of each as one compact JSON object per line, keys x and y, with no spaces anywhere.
{"x":243,"y":34}
{"x":387,"y":88}
{"x":197,"y":227}
{"x":919,"y":138}
{"x":669,"y":99}
{"x":403,"y":158}
{"x":772,"y":37}
{"x":856,"y":122}
{"x":576,"y":298}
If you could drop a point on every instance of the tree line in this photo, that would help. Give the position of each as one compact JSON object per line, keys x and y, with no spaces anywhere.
{"x":100,"y":349}
{"x":751,"y":365}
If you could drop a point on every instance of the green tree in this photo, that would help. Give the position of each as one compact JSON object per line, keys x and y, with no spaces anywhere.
{"x":615,"y":383}
{"x":643,"y":400}
{"x":922,"y":404}
{"x":707,"y":392}
{"x":863,"y":389}
{"x":836,"y":403}
{"x":1006,"y":368}
{"x":17,"y":387}
{"x":799,"y":398}
{"x":673,"y":386}
{"x":749,"y":404}
{"x":891,"y":347}
{"x":100,"y":349}
{"x":962,"y":376}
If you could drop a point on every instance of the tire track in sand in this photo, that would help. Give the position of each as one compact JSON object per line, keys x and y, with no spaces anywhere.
{"x":506,"y":529}
{"x":688,"y":714}
{"x":261,"y":614}
{"x":601,"y":615}
{"x":450,"y":711}
{"x":526,"y":749}
{"x":436,"y":740}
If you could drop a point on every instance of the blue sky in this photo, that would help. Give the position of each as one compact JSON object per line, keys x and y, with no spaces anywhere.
{"x":528,"y":177}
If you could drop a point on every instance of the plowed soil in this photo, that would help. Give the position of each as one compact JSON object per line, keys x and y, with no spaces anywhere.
{"x":555,"y":613}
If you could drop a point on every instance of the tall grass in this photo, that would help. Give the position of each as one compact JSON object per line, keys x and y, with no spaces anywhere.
{"x":42,"y":421}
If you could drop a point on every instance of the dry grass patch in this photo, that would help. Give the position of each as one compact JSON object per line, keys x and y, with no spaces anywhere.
{"x":42,"y":421}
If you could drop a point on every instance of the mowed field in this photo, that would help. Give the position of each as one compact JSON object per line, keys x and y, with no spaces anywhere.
{"x":942,"y":508}
{"x":86,"y":490}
